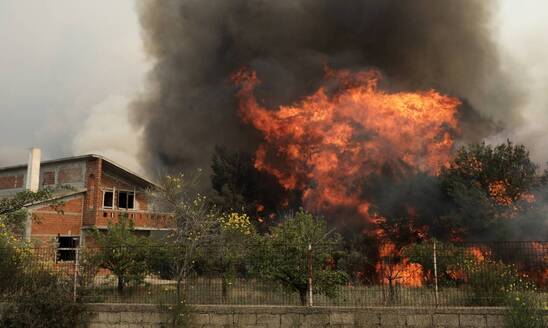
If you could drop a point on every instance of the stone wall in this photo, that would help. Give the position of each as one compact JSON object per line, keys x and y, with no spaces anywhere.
{"x":133,"y":315}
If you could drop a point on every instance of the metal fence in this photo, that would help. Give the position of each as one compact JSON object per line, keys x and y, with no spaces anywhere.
{"x":451,"y":275}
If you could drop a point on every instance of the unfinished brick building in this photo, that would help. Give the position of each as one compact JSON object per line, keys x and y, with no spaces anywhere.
{"x":96,"y":191}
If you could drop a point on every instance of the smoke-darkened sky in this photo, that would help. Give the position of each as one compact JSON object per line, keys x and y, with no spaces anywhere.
{"x":69,"y":69}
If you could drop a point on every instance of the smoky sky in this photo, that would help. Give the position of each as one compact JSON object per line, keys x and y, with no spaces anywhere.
{"x":189,"y":106}
{"x":68,"y":69}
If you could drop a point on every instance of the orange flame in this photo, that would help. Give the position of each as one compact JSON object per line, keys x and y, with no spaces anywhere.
{"x":498,"y":191}
{"x":477,"y":253}
{"x":323,"y":144}
{"x":401,"y":271}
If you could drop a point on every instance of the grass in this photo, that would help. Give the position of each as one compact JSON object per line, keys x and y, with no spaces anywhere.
{"x":253,"y":292}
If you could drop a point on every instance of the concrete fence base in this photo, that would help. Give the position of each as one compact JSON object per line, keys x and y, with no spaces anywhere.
{"x":139,"y":315}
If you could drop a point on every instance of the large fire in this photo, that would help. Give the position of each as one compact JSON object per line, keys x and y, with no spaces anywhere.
{"x":325,"y":143}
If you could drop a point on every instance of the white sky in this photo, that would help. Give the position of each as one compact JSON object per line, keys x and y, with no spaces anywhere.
{"x":62,"y":61}
{"x":523,"y":37}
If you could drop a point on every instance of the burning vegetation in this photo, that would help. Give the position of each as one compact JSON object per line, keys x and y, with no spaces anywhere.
{"x":369,"y":113}
{"x":327,"y":143}
{"x":334,"y":145}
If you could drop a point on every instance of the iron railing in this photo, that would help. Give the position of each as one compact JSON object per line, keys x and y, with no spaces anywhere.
{"x":391,"y":279}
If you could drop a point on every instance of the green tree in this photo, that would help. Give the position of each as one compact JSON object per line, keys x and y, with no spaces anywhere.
{"x":122,"y":252}
{"x":486,"y":185}
{"x":234,"y":245}
{"x":13,"y":212}
{"x":281,"y":255}
{"x":195,"y":223}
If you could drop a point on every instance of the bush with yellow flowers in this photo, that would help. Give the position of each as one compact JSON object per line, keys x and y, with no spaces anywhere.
{"x":38,"y":296}
{"x":237,"y":223}
{"x":14,"y":254}
{"x":525,"y":309}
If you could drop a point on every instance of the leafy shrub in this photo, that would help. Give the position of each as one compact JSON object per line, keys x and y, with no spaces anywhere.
{"x":490,"y":282}
{"x":524,"y":310}
{"x":13,"y":260}
{"x":37,"y":297}
{"x":88,"y":267}
{"x":44,"y":300}
{"x":179,"y":315}
{"x":160,"y":261}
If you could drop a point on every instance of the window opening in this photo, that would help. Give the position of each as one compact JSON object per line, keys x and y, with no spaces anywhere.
{"x":126,"y":200}
{"x":66,"y":250}
{"x":108,"y":198}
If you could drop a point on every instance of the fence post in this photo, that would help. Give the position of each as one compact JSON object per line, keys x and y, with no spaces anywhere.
{"x":309,"y":267}
{"x":436,"y":274}
{"x":75,"y":274}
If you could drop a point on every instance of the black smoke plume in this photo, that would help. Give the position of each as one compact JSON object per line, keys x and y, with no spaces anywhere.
{"x":190,"y":107}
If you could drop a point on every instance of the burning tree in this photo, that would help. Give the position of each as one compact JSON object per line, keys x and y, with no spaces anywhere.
{"x":489,"y":187}
{"x":450,"y":260}
{"x":239,"y":186}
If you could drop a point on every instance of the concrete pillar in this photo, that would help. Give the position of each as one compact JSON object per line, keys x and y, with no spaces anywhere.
{"x":32,"y":183}
{"x":33,"y":170}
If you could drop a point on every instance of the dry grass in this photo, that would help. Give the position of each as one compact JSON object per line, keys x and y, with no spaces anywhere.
{"x":252,"y":292}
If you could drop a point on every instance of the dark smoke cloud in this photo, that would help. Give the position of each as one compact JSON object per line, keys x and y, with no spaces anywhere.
{"x":197,"y":44}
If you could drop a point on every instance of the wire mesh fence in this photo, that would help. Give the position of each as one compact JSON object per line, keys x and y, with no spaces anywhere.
{"x":427,"y":275}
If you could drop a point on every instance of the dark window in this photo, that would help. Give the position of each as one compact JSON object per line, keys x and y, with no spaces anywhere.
{"x":67,"y":248}
{"x":108,"y":199}
{"x":126,"y":199}
{"x":122,"y":199}
{"x":130,"y":198}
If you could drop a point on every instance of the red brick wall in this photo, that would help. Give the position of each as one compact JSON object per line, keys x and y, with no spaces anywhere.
{"x":142,"y":200}
{"x":11,"y":181}
{"x":139,"y":215}
{"x":97,"y":181}
{"x":51,"y":222}
{"x":87,"y":209}
{"x":93,"y":195}
{"x":110,"y":181}
{"x":141,"y":219}
{"x":48,"y":178}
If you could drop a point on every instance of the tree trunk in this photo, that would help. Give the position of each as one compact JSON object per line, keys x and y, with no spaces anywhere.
{"x":175,"y":310}
{"x":391,"y":292}
{"x":302,"y":295}
{"x":224,"y":289}
{"x":120,"y":285}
